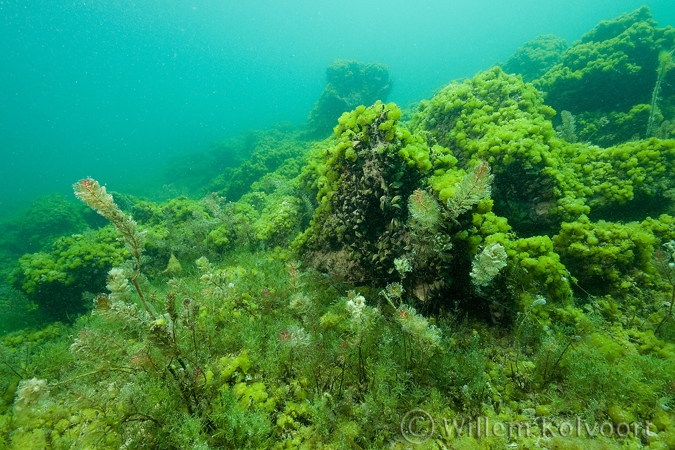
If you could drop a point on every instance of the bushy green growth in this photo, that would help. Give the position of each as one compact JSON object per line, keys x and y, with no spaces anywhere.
{"x":279,"y":221}
{"x":277,"y":209}
{"x":225,"y":364}
{"x":48,"y":218}
{"x":493,"y":117}
{"x":497,"y":118}
{"x":612,"y":128}
{"x":606,"y":257}
{"x":223,"y":237}
{"x":603,"y":373}
{"x":270,"y":214}
{"x":540,"y":179}
{"x":536,"y":268}
{"x":172,"y":212}
{"x":188,"y":228}
{"x":18,"y":311}
{"x":349,"y":84}
{"x":56,"y":281}
{"x":270,"y":151}
{"x":180,"y":226}
{"x":20,"y":357}
{"x":535,"y":57}
{"x":444,"y":238}
{"x":662,"y":227}
{"x":193,"y":171}
{"x":611,"y":68}
{"x":272,"y":370}
{"x":630,"y":180}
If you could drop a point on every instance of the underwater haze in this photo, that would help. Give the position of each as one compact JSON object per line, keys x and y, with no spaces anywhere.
{"x":112,"y":89}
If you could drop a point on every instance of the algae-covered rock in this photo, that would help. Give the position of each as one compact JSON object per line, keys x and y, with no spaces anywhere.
{"x":606,"y":256}
{"x":539,"y":178}
{"x":363,"y":180}
{"x":610,"y":71}
{"x":47,"y":218}
{"x":540,"y":181}
{"x":611,"y":68}
{"x":535,"y":57}
{"x":349,"y":84}
{"x":269,"y":151}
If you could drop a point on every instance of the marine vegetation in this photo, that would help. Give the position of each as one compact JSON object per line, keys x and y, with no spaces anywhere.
{"x":494,"y":261}
{"x":279,"y":149}
{"x":536,"y":57}
{"x":48,"y":218}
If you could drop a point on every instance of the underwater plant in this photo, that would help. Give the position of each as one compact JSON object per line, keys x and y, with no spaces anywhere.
{"x":56,"y":281}
{"x":93,"y":194}
{"x":487,"y":264}
{"x":567,"y":130}
{"x":665,"y":64}
{"x":665,"y":264}
{"x":48,"y":218}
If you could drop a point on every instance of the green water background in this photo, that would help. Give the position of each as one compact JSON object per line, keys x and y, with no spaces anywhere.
{"x":112,"y":89}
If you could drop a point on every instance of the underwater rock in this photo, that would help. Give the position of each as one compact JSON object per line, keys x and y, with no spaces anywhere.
{"x":363,"y":182}
{"x":608,"y":73}
{"x":535,"y":57}
{"x":349,"y":84}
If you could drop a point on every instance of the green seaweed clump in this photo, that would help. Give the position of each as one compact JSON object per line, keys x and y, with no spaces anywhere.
{"x":539,"y":178}
{"x":56,"y":281}
{"x":631,"y":180}
{"x":612,"y":68}
{"x":276,"y":150}
{"x":607,"y":257}
{"x":497,"y":118}
{"x":48,"y":218}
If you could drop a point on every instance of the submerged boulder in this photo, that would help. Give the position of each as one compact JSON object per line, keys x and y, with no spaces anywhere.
{"x":534,"y":58}
{"x":607,"y":80}
{"x":349,"y":84}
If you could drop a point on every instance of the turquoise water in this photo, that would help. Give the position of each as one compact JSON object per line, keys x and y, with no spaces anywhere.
{"x":113,"y":89}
